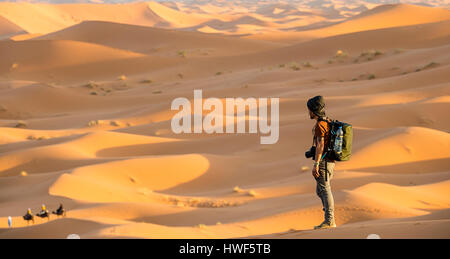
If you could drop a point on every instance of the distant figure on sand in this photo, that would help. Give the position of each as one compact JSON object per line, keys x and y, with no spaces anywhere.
{"x":29,"y":216}
{"x":43,"y":213}
{"x":60,"y":211}
{"x":323,"y":167}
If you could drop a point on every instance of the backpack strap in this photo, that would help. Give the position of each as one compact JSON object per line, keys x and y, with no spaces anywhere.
{"x":328,"y":120}
{"x":320,"y":119}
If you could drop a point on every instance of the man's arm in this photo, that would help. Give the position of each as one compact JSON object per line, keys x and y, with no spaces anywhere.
{"x":319,"y":151}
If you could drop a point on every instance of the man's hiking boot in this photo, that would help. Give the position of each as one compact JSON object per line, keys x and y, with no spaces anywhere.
{"x":325,"y":225}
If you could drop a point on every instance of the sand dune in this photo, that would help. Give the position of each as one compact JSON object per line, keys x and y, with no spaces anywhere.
{"x":386,"y":16}
{"x":402,"y":146}
{"x":273,"y":22}
{"x":46,"y":18}
{"x":129,"y":180}
{"x":47,"y":54}
{"x":81,"y":151}
{"x":434,"y":194}
{"x":34,"y":18}
{"x":427,"y":226}
{"x":431,"y":35}
{"x":176,"y":18}
{"x":268,"y":19}
{"x":22,"y":60}
{"x":85,"y":119}
{"x":8,"y":28}
{"x":157,"y":41}
{"x":434,"y":34}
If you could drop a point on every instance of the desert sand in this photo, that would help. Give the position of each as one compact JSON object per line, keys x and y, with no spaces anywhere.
{"x":85,"y":119}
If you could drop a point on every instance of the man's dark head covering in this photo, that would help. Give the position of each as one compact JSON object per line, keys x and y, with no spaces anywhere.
{"x":317,"y":105}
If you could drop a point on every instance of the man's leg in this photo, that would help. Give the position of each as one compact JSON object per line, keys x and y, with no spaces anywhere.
{"x":328,"y":195}
{"x":323,"y":190}
{"x":319,"y":191}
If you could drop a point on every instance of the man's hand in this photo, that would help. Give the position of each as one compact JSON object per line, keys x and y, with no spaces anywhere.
{"x":319,"y":151}
{"x":315,"y":171}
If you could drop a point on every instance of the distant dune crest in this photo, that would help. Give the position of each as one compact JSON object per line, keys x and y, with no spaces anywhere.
{"x":290,"y":21}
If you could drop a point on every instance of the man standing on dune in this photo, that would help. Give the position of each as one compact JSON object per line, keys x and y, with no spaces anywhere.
{"x":323,"y":167}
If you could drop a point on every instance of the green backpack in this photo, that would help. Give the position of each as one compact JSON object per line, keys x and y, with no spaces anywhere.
{"x":332,"y":151}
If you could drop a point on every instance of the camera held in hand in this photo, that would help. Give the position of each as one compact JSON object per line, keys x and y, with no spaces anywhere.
{"x":311,"y":153}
